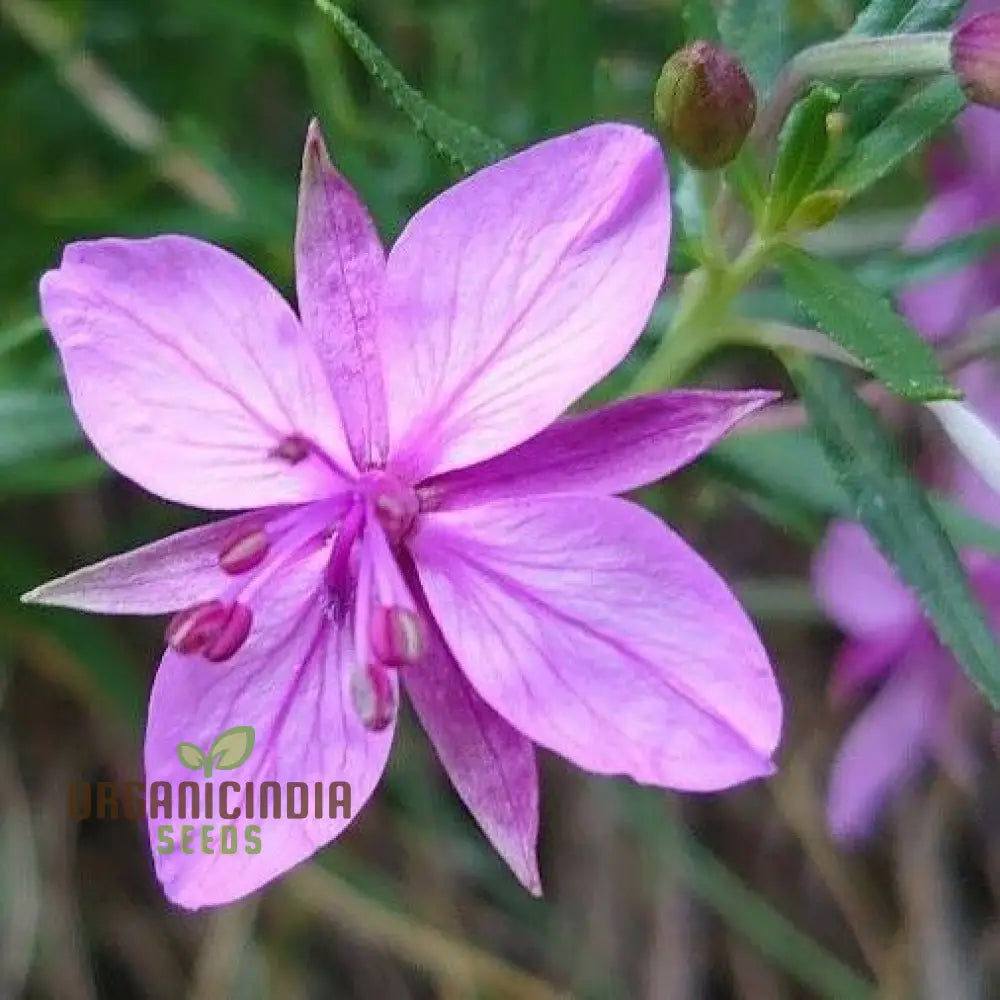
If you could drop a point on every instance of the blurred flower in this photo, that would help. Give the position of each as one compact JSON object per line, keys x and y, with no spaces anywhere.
{"x":916,"y":713}
{"x":416,"y":504}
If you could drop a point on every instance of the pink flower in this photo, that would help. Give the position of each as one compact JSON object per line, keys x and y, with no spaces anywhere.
{"x":416,"y":506}
{"x":966,"y":182}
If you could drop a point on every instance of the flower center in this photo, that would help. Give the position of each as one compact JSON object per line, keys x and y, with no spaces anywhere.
{"x":395,"y":504}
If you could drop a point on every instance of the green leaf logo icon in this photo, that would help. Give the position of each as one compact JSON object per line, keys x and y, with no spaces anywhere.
{"x":190,"y":756}
{"x":230,"y":749}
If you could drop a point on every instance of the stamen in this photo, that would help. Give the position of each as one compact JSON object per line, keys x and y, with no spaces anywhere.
{"x":397,"y":636}
{"x":339,"y":570}
{"x":374,"y":696}
{"x":293,"y":449}
{"x":231,"y":635}
{"x":245,"y":552}
{"x":214,"y":629}
{"x":191,"y":629}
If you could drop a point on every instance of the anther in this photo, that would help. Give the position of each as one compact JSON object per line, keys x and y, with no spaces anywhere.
{"x":374,"y":696}
{"x":191,"y":629}
{"x":397,"y":636}
{"x":214,"y":629}
{"x":244,"y":552}
{"x":293,"y":449}
{"x":231,"y":635}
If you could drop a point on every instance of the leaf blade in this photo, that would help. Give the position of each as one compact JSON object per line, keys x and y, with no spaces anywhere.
{"x":465,"y":145}
{"x":899,"y":517}
{"x":864,"y":323}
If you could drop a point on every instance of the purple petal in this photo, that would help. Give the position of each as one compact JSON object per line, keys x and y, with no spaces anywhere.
{"x":166,"y":575}
{"x":862,"y":662}
{"x":942,"y":307}
{"x":289,"y":682}
{"x":886,"y":744}
{"x":611,"y":450}
{"x":339,"y":269}
{"x":491,"y":765}
{"x":190,"y":374}
{"x":513,"y":292}
{"x":857,"y":587}
{"x":598,"y":633}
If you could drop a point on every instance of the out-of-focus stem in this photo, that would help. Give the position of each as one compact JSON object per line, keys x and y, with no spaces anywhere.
{"x":907,"y":55}
{"x":121,"y":113}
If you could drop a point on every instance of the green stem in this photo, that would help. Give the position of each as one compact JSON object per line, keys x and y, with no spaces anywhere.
{"x":701,"y":323}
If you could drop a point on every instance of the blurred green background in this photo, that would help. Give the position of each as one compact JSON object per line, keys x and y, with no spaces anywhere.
{"x":136,"y":117}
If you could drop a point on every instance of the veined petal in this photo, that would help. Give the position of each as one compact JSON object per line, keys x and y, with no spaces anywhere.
{"x":611,"y":450}
{"x":857,"y":587}
{"x":191,"y":375}
{"x":887,"y":742}
{"x":598,"y":633}
{"x":289,"y":682}
{"x":491,"y":765}
{"x":166,"y":575}
{"x":514,"y":291}
{"x":339,"y":268}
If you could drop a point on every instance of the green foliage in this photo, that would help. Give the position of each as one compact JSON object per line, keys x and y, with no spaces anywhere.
{"x":865,"y":324}
{"x":904,"y":130}
{"x":756,"y":31}
{"x":463,"y":144}
{"x":899,"y":517}
{"x":803,"y":147}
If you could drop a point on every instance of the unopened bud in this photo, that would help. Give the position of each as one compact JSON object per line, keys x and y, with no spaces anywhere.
{"x":705,"y":104}
{"x":975,"y":58}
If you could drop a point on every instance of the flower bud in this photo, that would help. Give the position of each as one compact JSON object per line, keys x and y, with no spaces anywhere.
{"x":705,"y":104}
{"x":975,"y":58}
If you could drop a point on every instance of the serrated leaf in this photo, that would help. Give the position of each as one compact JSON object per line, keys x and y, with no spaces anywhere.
{"x":864,"y":323}
{"x":190,"y":756}
{"x":465,"y":145}
{"x":756,"y":31}
{"x":232,"y":748}
{"x":897,"y":514}
{"x":906,"y":128}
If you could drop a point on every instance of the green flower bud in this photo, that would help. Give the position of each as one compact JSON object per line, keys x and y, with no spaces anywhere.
{"x":975,"y":58}
{"x":705,"y":104}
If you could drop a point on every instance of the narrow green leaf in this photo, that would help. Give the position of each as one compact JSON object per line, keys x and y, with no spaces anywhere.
{"x":907,"y":127}
{"x":864,"y":323}
{"x":802,"y":150}
{"x":867,"y":103}
{"x":884,"y":17}
{"x":750,"y":915}
{"x":757,"y":32}
{"x":465,"y":145}
{"x":899,"y":517}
